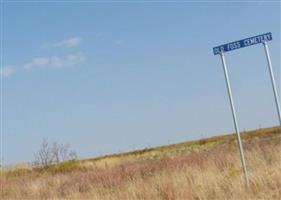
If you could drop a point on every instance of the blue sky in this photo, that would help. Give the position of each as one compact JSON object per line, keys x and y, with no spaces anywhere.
{"x":107,"y":77}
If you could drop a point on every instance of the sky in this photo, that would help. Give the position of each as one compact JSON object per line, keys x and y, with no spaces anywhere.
{"x":113,"y":76}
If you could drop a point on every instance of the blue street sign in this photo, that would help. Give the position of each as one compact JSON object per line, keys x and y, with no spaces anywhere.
{"x":242,"y":43}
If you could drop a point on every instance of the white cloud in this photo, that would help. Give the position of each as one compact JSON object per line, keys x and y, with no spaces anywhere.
{"x":56,"y":61}
{"x":7,"y":71}
{"x":68,"y":42}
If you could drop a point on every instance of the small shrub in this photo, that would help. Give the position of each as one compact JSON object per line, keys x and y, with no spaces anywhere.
{"x":55,"y":153}
{"x":64,"y":167}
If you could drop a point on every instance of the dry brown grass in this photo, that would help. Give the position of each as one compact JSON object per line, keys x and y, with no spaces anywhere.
{"x":184,"y":172}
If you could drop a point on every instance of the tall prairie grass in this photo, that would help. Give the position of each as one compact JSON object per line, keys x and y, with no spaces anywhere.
{"x":207,"y":173}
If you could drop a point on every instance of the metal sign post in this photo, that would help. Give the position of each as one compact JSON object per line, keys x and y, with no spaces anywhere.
{"x":264,"y":38}
{"x":272,"y":81}
{"x":235,"y":119}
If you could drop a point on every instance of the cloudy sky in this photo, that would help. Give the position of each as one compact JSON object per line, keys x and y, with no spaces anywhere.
{"x":115,"y":76}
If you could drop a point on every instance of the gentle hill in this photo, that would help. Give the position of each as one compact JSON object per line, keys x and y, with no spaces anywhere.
{"x":209,"y":168}
{"x":189,"y":146}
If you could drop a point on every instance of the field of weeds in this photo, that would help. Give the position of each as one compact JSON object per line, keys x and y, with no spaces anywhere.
{"x":204,"y":169}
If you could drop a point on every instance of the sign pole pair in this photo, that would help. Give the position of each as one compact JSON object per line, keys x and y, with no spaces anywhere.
{"x":236,"y":45}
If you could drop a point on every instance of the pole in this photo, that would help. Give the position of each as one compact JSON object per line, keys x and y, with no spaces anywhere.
{"x":272,"y":80}
{"x":235,"y":120}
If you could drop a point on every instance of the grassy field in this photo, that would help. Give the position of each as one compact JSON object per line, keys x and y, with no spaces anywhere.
{"x":205,"y":169}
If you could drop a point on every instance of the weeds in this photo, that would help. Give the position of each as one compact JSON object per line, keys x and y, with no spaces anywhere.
{"x":205,"y":173}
